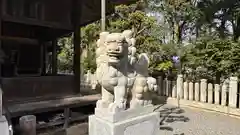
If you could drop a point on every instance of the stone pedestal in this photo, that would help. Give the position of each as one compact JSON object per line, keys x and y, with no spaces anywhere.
{"x":4,"y":126}
{"x":142,"y":121}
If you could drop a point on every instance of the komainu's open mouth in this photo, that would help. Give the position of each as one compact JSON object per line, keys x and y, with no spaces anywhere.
{"x":114,"y":55}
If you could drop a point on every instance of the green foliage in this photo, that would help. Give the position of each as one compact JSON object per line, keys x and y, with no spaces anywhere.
{"x":89,"y":62}
{"x":164,"y":66}
{"x":209,"y":56}
{"x":90,"y":35}
{"x":65,"y":56}
{"x":125,"y":17}
{"x":178,"y":14}
{"x":212,"y":48}
{"x":146,"y":31}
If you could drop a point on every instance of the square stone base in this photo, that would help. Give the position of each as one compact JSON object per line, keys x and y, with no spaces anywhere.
{"x":4,"y":126}
{"x":146,"y":124}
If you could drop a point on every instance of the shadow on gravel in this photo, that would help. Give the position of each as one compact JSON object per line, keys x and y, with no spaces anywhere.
{"x":60,"y":132}
{"x":171,"y":115}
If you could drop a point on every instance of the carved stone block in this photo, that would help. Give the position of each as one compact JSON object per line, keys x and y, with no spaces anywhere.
{"x":146,"y":124}
{"x":4,"y":126}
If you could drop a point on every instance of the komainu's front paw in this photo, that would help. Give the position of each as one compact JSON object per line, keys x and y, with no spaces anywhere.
{"x":117,"y":107}
{"x":102,"y":104}
{"x":136,"y":104}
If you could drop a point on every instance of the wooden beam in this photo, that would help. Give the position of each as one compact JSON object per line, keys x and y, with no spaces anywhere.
{"x":19,"y":40}
{"x":54,"y":57}
{"x":77,"y":42}
{"x":3,"y":7}
{"x":29,"y":21}
{"x":67,"y":112}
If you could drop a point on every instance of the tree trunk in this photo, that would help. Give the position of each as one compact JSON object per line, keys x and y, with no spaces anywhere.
{"x":218,"y":77}
{"x":236,"y":29}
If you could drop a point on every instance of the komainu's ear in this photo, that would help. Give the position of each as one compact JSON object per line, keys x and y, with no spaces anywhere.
{"x":143,"y":60}
{"x":102,"y":38}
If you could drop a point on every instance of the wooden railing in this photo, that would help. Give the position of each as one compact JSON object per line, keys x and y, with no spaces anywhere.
{"x":24,"y":88}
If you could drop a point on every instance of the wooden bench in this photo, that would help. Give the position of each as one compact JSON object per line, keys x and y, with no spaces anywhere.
{"x":16,"y":110}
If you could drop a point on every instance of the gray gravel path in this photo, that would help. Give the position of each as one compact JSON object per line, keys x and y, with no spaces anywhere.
{"x":186,"y":121}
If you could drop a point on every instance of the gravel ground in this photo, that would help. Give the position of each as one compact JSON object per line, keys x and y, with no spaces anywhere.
{"x":184,"y":121}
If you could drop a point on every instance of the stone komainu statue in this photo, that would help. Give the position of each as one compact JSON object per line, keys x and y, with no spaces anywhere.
{"x":123,"y":77}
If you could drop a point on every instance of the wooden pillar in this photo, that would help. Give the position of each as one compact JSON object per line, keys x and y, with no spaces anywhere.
{"x":1,"y":7}
{"x":66,"y":117}
{"x":54,"y":57}
{"x":1,"y":91}
{"x":43,"y":56}
{"x":77,"y":42}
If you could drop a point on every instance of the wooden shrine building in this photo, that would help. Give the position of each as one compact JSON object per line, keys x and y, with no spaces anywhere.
{"x":29,"y":30}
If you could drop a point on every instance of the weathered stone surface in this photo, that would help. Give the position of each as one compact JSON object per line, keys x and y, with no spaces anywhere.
{"x":210,"y":93}
{"x":4,"y":130}
{"x":141,"y":125}
{"x":203,"y":92}
{"x":197,"y":91}
{"x":217,"y":94}
{"x":180,"y":86}
{"x":233,"y":89}
{"x":174,"y":89}
{"x":186,"y":90}
{"x":120,"y":73}
{"x":191,"y":91}
{"x":225,"y":88}
{"x":124,"y":115}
